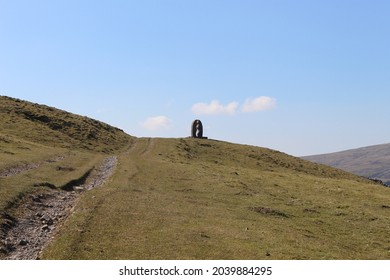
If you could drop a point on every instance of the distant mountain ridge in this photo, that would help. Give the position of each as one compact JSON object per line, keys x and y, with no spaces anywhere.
{"x":371,"y":162}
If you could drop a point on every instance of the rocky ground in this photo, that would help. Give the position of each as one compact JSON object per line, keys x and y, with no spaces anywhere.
{"x":33,"y":222}
{"x":20,"y":168}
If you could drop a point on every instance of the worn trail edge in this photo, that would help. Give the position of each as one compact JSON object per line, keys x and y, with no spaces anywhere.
{"x":17,"y":169}
{"x":41,"y":214}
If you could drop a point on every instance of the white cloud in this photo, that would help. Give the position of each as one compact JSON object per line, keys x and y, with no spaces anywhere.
{"x":214,"y":108}
{"x":155,"y":123}
{"x":258,"y":104}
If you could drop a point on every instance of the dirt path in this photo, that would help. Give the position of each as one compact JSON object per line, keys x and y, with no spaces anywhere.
{"x":41,"y":214}
{"x":148,"y":147}
{"x":141,"y":147}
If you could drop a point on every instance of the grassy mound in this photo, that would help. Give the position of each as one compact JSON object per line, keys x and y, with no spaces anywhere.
{"x":185,"y":198}
{"x":53,"y":127}
{"x":204,"y":199}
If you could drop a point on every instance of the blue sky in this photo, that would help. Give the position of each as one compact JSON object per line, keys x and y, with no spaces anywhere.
{"x":302,"y":77}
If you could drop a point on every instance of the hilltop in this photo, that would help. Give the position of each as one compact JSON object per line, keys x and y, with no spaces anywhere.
{"x":371,"y":162}
{"x":53,"y":127}
{"x":153,"y":198}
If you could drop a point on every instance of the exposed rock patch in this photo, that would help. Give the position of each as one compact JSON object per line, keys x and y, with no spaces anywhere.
{"x":30,"y":225}
{"x":17,"y":169}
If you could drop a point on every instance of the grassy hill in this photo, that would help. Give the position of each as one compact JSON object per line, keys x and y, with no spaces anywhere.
{"x":194,"y":199}
{"x":45,"y":148}
{"x":371,"y":162}
{"x":52,"y":127}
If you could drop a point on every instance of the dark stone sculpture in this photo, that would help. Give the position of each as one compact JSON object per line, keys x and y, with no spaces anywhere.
{"x":197,"y":129}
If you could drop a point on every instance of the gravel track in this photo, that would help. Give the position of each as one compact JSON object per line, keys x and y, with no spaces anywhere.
{"x":41,"y":214}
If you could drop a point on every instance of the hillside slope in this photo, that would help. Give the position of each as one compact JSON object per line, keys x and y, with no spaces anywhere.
{"x":46,"y":152}
{"x":53,"y":127}
{"x":371,"y":162}
{"x":41,"y":144}
{"x":205,"y":199}
{"x":174,"y":198}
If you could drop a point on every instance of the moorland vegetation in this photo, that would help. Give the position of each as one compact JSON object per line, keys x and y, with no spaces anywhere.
{"x":180,"y":198}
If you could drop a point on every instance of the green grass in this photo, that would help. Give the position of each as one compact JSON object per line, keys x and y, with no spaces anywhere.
{"x":53,"y":127}
{"x":189,"y":198}
{"x":55,"y":146}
